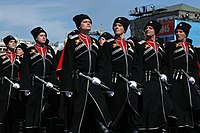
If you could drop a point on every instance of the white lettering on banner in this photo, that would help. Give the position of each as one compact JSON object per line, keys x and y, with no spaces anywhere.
{"x":165,"y":28}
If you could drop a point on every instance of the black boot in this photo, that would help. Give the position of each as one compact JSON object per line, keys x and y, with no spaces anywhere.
{"x":172,"y":124}
{"x":50,"y":126}
{"x":2,"y":128}
{"x":33,"y":130}
{"x":67,"y":131}
{"x":101,"y":128}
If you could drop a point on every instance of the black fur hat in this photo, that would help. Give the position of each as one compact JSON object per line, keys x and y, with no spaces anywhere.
{"x":23,"y":46}
{"x":7,"y":39}
{"x":184,"y":26}
{"x":106,"y":35}
{"x":36,"y":31}
{"x":79,"y":18}
{"x":156,"y":25}
{"x":123,"y":21}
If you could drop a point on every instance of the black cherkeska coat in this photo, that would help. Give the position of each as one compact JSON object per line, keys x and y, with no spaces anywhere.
{"x":89,"y":61}
{"x":44,"y":67}
{"x":9,"y":96}
{"x":157,"y":105}
{"x":125,"y":100}
{"x":185,"y":97}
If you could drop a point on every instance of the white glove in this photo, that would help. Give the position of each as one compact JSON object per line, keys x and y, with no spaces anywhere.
{"x":16,"y":86}
{"x":49,"y":85}
{"x":133,"y":84}
{"x":111,"y":94}
{"x":68,"y":93}
{"x":27,"y":93}
{"x":163,"y":77}
{"x":192,"y":80}
{"x":96,"y":81}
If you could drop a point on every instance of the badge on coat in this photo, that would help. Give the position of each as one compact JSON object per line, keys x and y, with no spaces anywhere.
{"x":33,"y":51}
{"x":146,"y":46}
{"x":178,"y":45}
{"x":115,"y":45}
{"x":77,"y":41}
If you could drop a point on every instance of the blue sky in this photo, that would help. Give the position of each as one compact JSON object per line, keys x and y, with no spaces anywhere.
{"x":19,"y":17}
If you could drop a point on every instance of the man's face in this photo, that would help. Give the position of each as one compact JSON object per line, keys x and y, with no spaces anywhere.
{"x":180,"y":35}
{"x":12,"y":44}
{"x":149,"y":31}
{"x":19,"y":51}
{"x":41,"y":38}
{"x":86,"y":25}
{"x":102,"y":40}
{"x":118,"y":29}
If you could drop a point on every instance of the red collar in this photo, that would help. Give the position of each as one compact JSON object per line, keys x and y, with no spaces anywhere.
{"x":154,"y":44}
{"x":86,"y":39}
{"x":11,"y":55}
{"x":41,"y":50}
{"x":121,"y":42}
{"x":185,"y":46}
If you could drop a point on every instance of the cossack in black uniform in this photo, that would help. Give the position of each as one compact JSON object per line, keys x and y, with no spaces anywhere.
{"x":9,"y":100}
{"x":121,"y":60}
{"x":181,"y":61}
{"x":82,"y":53}
{"x":157,"y":104}
{"x":39,"y":60}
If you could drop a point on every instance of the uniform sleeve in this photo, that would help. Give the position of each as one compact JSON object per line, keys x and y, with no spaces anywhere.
{"x":25,"y":79}
{"x":137,"y":66}
{"x":163,"y":65}
{"x":139,"y":76}
{"x":194,"y":67}
{"x":0,"y":67}
{"x":107,"y":51}
{"x":100,"y":64}
{"x":169,"y":56}
{"x":67,"y":67}
{"x":53,"y":76}
{"x":197,"y":54}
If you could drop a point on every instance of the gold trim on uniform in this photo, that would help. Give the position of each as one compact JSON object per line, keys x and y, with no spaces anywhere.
{"x":93,"y":40}
{"x":178,"y":44}
{"x":146,"y":46}
{"x":115,"y":45}
{"x":77,"y":41}
{"x":33,"y":51}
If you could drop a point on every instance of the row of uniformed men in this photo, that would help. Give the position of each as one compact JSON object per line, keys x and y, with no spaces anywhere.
{"x":139,"y":76}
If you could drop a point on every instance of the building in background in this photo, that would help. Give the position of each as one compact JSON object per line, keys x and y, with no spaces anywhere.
{"x":169,"y":17}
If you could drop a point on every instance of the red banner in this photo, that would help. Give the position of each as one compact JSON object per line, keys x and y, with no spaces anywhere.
{"x":167,"y":28}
